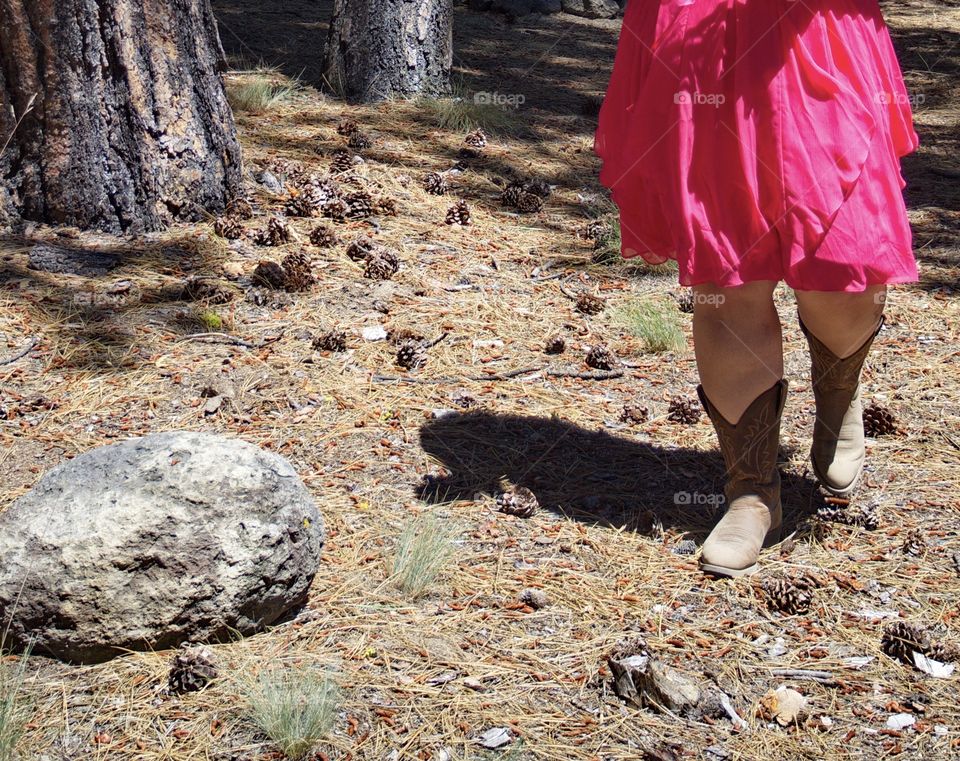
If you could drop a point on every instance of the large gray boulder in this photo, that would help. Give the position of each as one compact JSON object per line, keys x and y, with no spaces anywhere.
{"x":591,"y":8}
{"x":151,"y":542}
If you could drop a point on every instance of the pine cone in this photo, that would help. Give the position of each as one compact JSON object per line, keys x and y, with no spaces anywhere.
{"x":386,"y":206}
{"x":270,"y":274}
{"x":397,"y":336}
{"x":555,"y":345}
{"x":599,"y":357}
{"x":539,"y":188}
{"x":878,"y":421}
{"x":346,"y":127}
{"x":207,"y":290}
{"x":333,"y":340}
{"x":529,"y":203}
{"x":685,"y":411}
{"x":298,"y":205}
{"x":512,"y":193}
{"x":359,"y":205}
{"x":458,"y":214}
{"x":342,"y":161}
{"x":465,"y":401}
{"x":383,"y":264}
{"x":286,"y":168}
{"x":864,"y":517}
{"x":790,"y":595}
{"x":316,"y":192}
{"x":914,"y":543}
{"x":517,"y":500}
{"x":298,"y":272}
{"x":228,"y":227}
{"x":595,"y":231}
{"x":411,"y":355}
{"x":240,"y":208}
{"x":634,"y":413}
{"x":587,"y":303}
{"x":192,"y":669}
{"x":276,"y":233}
{"x":359,"y":141}
{"x":435,"y":184}
{"x":337,"y":209}
{"x":476,"y":139}
{"x":361,"y":248}
{"x":685,"y":300}
{"x":901,"y":639}
{"x":323,"y":236}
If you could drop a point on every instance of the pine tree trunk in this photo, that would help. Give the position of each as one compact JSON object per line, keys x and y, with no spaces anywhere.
{"x":130,"y":129}
{"x":380,"y":49}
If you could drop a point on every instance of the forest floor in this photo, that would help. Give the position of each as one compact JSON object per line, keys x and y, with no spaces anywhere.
{"x":118,"y":355}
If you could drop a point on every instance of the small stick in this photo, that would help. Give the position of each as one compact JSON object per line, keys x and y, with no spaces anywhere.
{"x":225,"y":338}
{"x":824,"y":677}
{"x":589,"y":375}
{"x":22,"y":353}
{"x":433,"y":343}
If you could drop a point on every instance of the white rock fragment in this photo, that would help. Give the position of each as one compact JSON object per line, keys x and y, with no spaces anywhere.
{"x":374,"y":333}
{"x":934,"y":668}
{"x":901,"y":721}
{"x":496,"y":737}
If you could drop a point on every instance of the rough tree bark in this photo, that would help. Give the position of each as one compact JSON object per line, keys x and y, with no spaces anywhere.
{"x":380,"y":49}
{"x":130,"y":128}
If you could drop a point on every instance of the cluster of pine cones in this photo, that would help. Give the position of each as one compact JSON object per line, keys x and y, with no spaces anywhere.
{"x":526,"y":195}
{"x":380,"y":262}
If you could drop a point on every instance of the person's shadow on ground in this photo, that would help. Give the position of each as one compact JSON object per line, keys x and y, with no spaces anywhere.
{"x":591,"y":476}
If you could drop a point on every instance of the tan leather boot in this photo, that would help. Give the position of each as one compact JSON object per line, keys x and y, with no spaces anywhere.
{"x":837,"y":451}
{"x":754,"y":514}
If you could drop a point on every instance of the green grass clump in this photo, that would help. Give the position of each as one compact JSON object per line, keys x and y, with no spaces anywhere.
{"x":424,"y":549}
{"x":655,"y":321}
{"x":210,"y":320}
{"x":258,"y":93}
{"x":295,"y":709}
{"x":13,"y":707}
{"x":464,"y":111}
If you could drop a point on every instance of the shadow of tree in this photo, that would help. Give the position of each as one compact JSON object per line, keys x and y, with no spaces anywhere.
{"x":95,"y":320}
{"x":590,"y":476}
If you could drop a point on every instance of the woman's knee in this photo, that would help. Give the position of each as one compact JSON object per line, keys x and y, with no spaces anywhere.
{"x":751,"y":302}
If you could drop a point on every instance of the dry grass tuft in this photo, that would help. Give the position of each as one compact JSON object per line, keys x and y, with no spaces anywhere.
{"x":424,"y":549}
{"x":295,"y":709}
{"x":13,"y":707}
{"x":259,"y":91}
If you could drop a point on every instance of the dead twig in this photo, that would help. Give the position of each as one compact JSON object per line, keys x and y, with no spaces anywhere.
{"x":823,"y":677}
{"x":220,"y":338}
{"x":22,"y":353}
{"x":587,"y":375}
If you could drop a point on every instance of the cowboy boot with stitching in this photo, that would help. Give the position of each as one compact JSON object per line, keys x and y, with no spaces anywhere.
{"x":837,"y":452}
{"x":754,"y":515}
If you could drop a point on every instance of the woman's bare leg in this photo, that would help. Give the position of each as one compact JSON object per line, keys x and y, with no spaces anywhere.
{"x":738,"y":344}
{"x":840,"y":328}
{"x":842,"y":321}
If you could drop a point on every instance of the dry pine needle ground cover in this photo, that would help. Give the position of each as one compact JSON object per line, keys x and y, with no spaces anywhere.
{"x":131,"y":351}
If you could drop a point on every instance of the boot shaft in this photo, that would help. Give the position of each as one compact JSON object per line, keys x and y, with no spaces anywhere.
{"x":750,"y":447}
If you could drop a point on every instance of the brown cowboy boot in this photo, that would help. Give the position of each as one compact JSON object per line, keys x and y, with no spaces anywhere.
{"x":754,"y":514}
{"x":837,"y":451}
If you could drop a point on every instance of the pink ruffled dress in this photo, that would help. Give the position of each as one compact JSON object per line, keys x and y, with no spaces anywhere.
{"x":760,"y":140}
